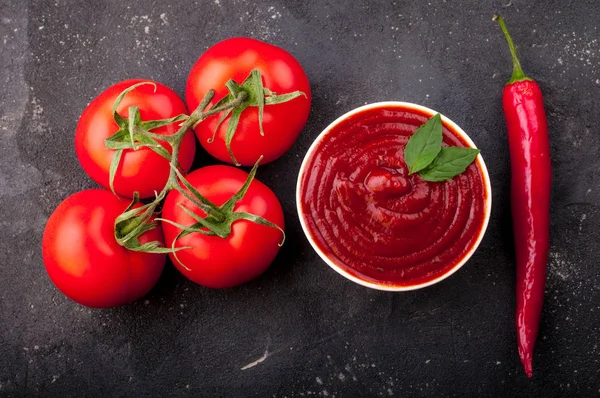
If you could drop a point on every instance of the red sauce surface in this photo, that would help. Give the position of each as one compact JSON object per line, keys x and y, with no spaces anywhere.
{"x":374,"y":220}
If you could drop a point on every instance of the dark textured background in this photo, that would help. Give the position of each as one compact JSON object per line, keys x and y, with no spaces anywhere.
{"x":322,"y":335}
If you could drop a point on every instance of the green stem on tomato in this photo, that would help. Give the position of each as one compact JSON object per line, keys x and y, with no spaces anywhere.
{"x":197,"y":116}
{"x":133,"y":222}
{"x":130,"y":226}
{"x":517,"y":75}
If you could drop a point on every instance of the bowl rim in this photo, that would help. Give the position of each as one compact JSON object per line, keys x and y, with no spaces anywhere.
{"x":386,"y":286}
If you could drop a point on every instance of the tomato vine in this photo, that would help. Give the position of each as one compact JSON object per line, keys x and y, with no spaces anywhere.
{"x":134,"y":133}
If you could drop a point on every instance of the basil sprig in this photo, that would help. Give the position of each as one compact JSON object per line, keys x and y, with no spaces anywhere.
{"x":425,"y":155}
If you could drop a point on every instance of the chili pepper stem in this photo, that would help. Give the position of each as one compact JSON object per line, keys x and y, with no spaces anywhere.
{"x":517,"y":75}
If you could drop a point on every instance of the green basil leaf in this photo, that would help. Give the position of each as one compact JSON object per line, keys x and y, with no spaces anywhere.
{"x":424,"y":145}
{"x":449,"y":163}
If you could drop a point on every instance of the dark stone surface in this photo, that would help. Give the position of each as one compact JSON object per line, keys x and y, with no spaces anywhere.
{"x":321,"y":334}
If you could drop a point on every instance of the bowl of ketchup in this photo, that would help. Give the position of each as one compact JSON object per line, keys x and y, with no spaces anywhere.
{"x":371,"y":221}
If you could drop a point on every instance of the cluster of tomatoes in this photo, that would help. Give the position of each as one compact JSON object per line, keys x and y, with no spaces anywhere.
{"x":81,"y":253}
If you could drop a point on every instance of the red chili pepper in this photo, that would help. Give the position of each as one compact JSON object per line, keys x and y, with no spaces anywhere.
{"x":530,"y":197}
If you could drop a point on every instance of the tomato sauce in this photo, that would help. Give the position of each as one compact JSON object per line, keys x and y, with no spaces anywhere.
{"x":374,"y":220}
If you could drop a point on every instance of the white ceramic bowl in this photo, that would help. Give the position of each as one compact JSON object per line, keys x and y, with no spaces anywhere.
{"x":387,"y":286}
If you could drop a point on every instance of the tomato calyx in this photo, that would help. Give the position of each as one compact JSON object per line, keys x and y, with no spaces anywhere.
{"x":219,"y":219}
{"x":133,"y":222}
{"x":133,"y":134}
{"x":257,"y":96}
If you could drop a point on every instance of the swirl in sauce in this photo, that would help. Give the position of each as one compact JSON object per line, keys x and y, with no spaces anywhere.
{"x":374,"y":220}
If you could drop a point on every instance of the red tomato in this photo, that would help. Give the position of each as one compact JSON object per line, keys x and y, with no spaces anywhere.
{"x":281,"y":73}
{"x":83,"y":258}
{"x":249,"y":249}
{"x":143,"y":170}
